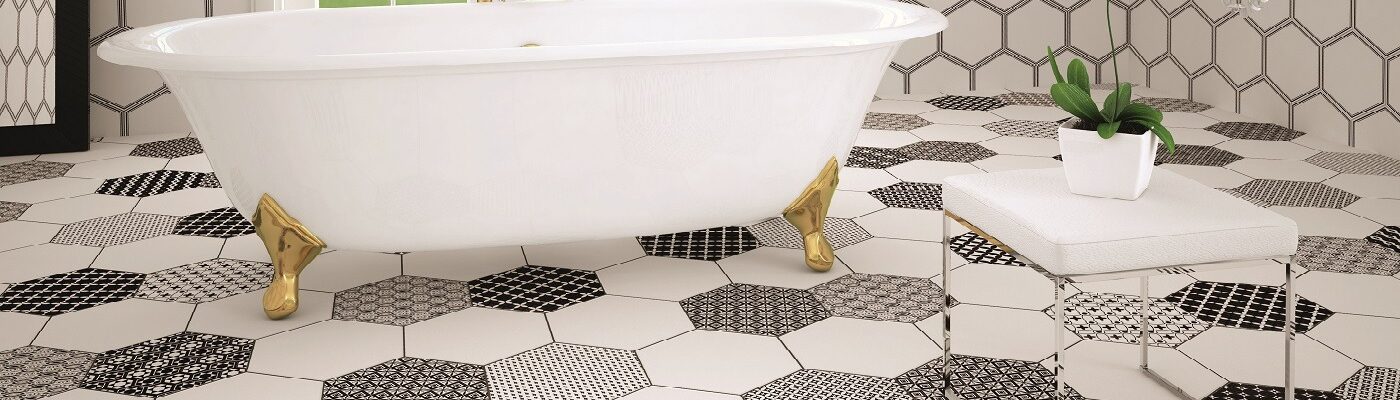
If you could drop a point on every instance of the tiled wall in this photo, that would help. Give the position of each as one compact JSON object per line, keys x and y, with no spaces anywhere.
{"x":27,"y":62}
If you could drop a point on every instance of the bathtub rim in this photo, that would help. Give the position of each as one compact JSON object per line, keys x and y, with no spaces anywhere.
{"x":141,"y":47}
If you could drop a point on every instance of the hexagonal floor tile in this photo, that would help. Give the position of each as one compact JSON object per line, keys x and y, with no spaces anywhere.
{"x":253,"y":386}
{"x":74,"y":209}
{"x":1385,"y":211}
{"x":777,"y":232}
{"x":9,"y":211}
{"x":1370,"y":383}
{"x":859,"y":180}
{"x":1117,"y":318}
{"x":1026,"y":129}
{"x":240,"y":315}
{"x":1368,"y":339}
{"x":754,"y":309}
{"x":401,"y":300}
{"x":662,"y":278}
{"x":967,"y":103}
{"x":979,"y":378}
{"x":884,"y":139}
{"x":166,"y":365}
{"x":1197,"y":155}
{"x":69,"y":292}
{"x":1357,"y":163}
{"x":1250,"y":391}
{"x":930,"y":171}
{"x":1354,"y":256}
{"x":535,"y":288}
{"x":183,"y":202}
{"x":1248,"y":306}
{"x":717,"y":361}
{"x":33,"y":262}
{"x":173,"y":148}
{"x":48,"y":189}
{"x":31,"y":171}
{"x":114,"y":325}
{"x":223,"y":223}
{"x":158,"y":253}
{"x":1267,"y":149}
{"x":819,"y":384}
{"x":1024,"y":146}
{"x":976,"y":249}
{"x":459,"y":336}
{"x":20,"y":329}
{"x":706,"y":244}
{"x":326,"y":349}
{"x":1166,"y":104}
{"x":881,"y":297}
{"x":17,"y":234}
{"x":115,"y":230}
{"x":858,"y":346}
{"x":619,"y":322}
{"x":590,"y":255}
{"x":566,"y":371}
{"x":1027,"y":99}
{"x":875,"y":157}
{"x":893,"y":122}
{"x":411,"y":378}
{"x":1281,"y":169}
{"x":1254,"y":131}
{"x":954,"y":133}
{"x":914,"y":258}
{"x":1296,"y":193}
{"x":900,"y":223}
{"x":916,"y":195}
{"x":1388,"y":237}
{"x":206,"y":281}
{"x":33,"y":372}
{"x":462,"y":265}
{"x":1104,"y":370}
{"x":156,"y":182}
{"x":1008,"y":162}
{"x":946,"y":151}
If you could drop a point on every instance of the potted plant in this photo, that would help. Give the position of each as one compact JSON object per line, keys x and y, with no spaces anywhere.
{"x":1107,"y":152}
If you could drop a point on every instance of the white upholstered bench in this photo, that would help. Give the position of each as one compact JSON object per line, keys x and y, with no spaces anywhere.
{"x":1177,"y":226}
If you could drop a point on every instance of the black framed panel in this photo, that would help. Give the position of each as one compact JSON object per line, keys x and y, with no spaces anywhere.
{"x":69,"y":132}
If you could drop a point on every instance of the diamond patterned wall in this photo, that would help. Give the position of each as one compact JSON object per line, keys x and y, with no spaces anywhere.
{"x":27,"y":62}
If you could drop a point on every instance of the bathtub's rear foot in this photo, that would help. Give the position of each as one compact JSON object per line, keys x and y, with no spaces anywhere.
{"x":292,"y":247}
{"x":809,"y":211}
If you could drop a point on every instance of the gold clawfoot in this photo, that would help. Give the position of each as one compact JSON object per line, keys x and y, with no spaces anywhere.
{"x":808,"y":212}
{"x":291,"y":246}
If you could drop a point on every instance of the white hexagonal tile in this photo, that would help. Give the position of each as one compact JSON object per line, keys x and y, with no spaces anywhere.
{"x":670,"y":393}
{"x":16,"y":234}
{"x":97,"y":151}
{"x":1276,"y":150}
{"x":904,"y":223}
{"x":971,"y":40}
{"x":773,"y":266}
{"x":48,"y":189}
{"x":884,"y":139}
{"x":1240,"y":53}
{"x":74,"y":209}
{"x":930,"y":171}
{"x":193,"y":163}
{"x":982,"y":331}
{"x":1257,"y":357}
{"x":1196,"y":136}
{"x":1328,"y":222}
{"x":463,"y":265}
{"x":1015,"y":286}
{"x":114,"y":325}
{"x":858,"y":346}
{"x":1186,"y":120}
{"x":343,"y":269}
{"x":158,"y":253}
{"x":1106,"y":370}
{"x":619,"y":322}
{"x":1258,"y":272}
{"x":1351,"y":293}
{"x":954,"y":133}
{"x":895,"y":257}
{"x":184,"y":202}
{"x":1031,"y":113}
{"x":717,"y":361}
{"x":1008,"y":162}
{"x":1368,"y":339}
{"x":851,"y":204}
{"x":1289,"y":170}
{"x":162,"y":115}
{"x":1024,"y":146}
{"x":84,"y":394}
{"x":1385,"y":211}
{"x":1033,"y":27}
{"x":20,"y":329}
{"x":252,"y":386}
{"x":662,"y":278}
{"x":326,"y":349}
{"x":116,"y":167}
{"x":864,"y":180}
{"x":1374,"y":19}
{"x":32,"y":262}
{"x":1292,"y":61}
{"x":246,"y":247}
{"x":1189,"y":31}
{"x":1157,"y":286}
{"x":242,"y":315}
{"x":961,"y":117}
{"x":1351,"y":71}
{"x":1263,"y":103}
{"x":459,"y":336}
{"x":1216,"y":177}
{"x":1367,"y":185}
{"x":1087,"y":28}
{"x":900,"y":107}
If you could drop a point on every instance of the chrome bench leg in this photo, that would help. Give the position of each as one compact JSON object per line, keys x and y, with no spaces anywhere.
{"x":1290,"y":304}
{"x":1145,"y":314}
{"x":1061,"y":393}
{"x":947,"y":248}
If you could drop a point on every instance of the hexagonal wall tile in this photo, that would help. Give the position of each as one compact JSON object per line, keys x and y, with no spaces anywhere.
{"x":166,"y":365}
{"x":706,"y":244}
{"x":411,"y":378}
{"x":754,"y":309}
{"x":401,"y":300}
{"x":1350,"y":73}
{"x":561,"y":370}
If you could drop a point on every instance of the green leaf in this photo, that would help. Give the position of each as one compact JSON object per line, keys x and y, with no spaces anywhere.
{"x":1054,"y":65}
{"x":1107,"y":129}
{"x":1078,"y":75}
{"x":1114,"y":104}
{"x":1076,"y":102}
{"x":1140,"y":111}
{"x":1162,"y":134}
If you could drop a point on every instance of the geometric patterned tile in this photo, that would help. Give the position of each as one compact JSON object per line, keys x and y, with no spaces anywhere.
{"x":69,"y":291}
{"x":1189,"y":154}
{"x":206,"y":281}
{"x":968,"y":103}
{"x":1029,"y":129}
{"x":977,"y":250}
{"x":566,"y":371}
{"x":224,"y":223}
{"x":893,"y":122}
{"x":778,"y":232}
{"x":947,"y":151}
{"x":1357,"y":163}
{"x":155,"y":182}
{"x":1242,"y":196}
{"x":1244,"y":305}
{"x":166,"y":365}
{"x":535,"y":288}
{"x":116,"y":229}
{"x":34,"y":372}
{"x":874,"y":157}
{"x":1254,"y":131}
{"x":1027,"y":99}
{"x":1250,"y":391}
{"x":1371,"y":383}
{"x":1346,"y":255}
{"x":983,"y":378}
{"x":173,"y":148}
{"x":916,"y":195}
{"x":411,"y":378}
{"x":706,"y":244}
{"x":818,"y":384}
{"x":401,"y":300}
{"x":881,"y":297}
{"x":1387,"y":236}
{"x":1112,"y":317}
{"x":1165,"y":104}
{"x":754,"y":309}
{"x":9,"y":211}
{"x":31,"y":171}
{"x":1296,"y":193}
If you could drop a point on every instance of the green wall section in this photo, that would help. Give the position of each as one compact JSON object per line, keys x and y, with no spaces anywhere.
{"x":364,"y":3}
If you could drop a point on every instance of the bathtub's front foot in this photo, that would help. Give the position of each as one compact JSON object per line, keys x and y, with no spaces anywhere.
{"x":808,"y":212}
{"x":291,"y":246}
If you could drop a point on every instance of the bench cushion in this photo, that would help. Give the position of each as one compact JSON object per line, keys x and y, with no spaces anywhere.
{"x":1178,"y":221}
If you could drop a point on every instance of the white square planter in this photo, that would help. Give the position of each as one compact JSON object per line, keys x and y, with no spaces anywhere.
{"x":1118,"y":167}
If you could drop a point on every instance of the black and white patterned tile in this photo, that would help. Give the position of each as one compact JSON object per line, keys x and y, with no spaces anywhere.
{"x":1027,"y":99}
{"x":1028,"y":129}
{"x":1356,"y":163}
{"x":706,"y":244}
{"x":1167,"y":104}
{"x":915,"y":195}
{"x":894,"y":122}
{"x":1371,"y":383}
{"x":566,"y":371}
{"x":155,"y":182}
{"x":1190,"y":154}
{"x":34,"y":372}
{"x":1296,"y":193}
{"x":818,"y":384}
{"x":967,"y":103}
{"x":977,"y":250}
{"x":1254,"y":131}
{"x":875,"y":157}
{"x":1388,"y":237}
{"x":535,"y":288}
{"x":1347,"y":255}
{"x":206,"y":281}
{"x":32,"y":170}
{"x":982,"y":378}
{"x":1250,"y":391}
{"x":778,"y":232}
{"x":1112,"y":317}
{"x":411,"y":378}
{"x":224,"y":223}
{"x":166,"y":365}
{"x":116,"y":229}
{"x":881,"y":297}
{"x":1244,"y":305}
{"x":754,"y":309}
{"x":9,"y":211}
{"x":962,"y":152}
{"x":401,"y":300}
{"x":70,"y":291}
{"x":173,"y":148}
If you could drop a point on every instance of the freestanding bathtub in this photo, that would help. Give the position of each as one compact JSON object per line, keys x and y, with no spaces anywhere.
{"x":415,"y":128}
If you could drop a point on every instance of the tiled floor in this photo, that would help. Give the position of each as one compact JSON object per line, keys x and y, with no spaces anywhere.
{"x":125,"y":274}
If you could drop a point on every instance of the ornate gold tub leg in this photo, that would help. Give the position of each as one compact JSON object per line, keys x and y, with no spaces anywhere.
{"x":808,"y":212}
{"x":291,"y":246}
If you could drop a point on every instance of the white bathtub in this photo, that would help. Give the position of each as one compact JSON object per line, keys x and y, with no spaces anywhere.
{"x":417,"y":128}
